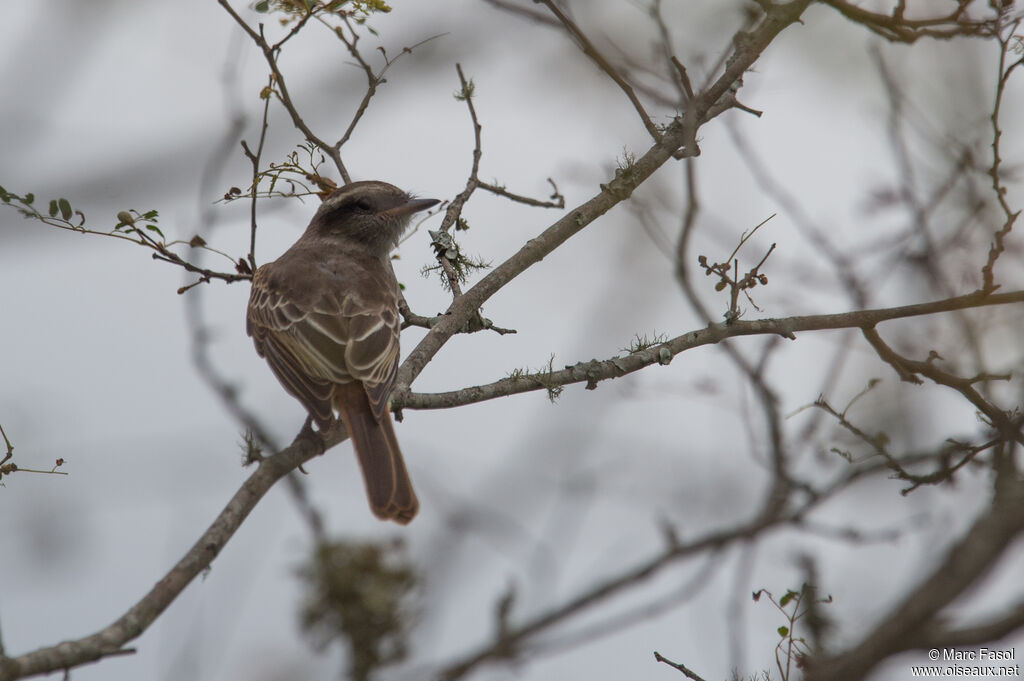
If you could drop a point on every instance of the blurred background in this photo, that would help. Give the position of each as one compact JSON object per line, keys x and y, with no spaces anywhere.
{"x":120,"y":105}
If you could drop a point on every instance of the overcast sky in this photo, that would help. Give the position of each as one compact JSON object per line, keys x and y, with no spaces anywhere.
{"x":117,"y":105}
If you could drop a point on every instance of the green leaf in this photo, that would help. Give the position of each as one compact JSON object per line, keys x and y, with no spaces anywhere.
{"x":262,"y":7}
{"x":29,"y":198}
{"x":53,"y":208}
{"x":65,"y":208}
{"x":156,"y":229}
{"x":783,"y":631}
{"x":4,"y":196}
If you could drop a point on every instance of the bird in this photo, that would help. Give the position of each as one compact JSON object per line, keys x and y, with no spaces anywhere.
{"x":325,"y":317}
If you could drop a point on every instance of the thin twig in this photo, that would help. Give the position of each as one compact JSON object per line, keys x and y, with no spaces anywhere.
{"x":688,"y":673}
{"x":897,"y":28}
{"x":557,"y":202}
{"x":988,"y":275}
{"x":281,"y":88}
{"x":254,"y":158}
{"x":595,"y":55}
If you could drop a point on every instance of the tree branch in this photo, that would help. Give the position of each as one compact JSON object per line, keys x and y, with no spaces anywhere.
{"x":595,"y":56}
{"x":681,"y":133}
{"x":966,"y":561}
{"x":270,"y":54}
{"x":595,"y":371}
{"x":111,"y":639}
{"x":897,"y":28}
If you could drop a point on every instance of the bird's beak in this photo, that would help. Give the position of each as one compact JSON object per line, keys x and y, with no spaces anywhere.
{"x":411,"y":206}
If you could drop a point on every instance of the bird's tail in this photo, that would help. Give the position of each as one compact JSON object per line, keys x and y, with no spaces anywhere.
{"x":388,"y":486}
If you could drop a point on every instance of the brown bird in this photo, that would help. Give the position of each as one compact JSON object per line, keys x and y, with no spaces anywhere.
{"x":325,"y":317}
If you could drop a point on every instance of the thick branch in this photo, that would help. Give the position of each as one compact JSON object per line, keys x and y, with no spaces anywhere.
{"x":978,"y":634}
{"x":516,"y":637}
{"x":110,"y":640}
{"x":966,"y":562}
{"x":680,"y":133}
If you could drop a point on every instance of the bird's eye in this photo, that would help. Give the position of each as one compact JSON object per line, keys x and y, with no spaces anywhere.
{"x":364,"y":205}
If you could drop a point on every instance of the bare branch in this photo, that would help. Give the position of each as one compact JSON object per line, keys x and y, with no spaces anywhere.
{"x":558,"y":201}
{"x":1005,"y":38}
{"x":454,"y":210}
{"x":270,"y":55}
{"x":588,"y":49}
{"x":112,"y":639}
{"x":966,"y":561}
{"x":515,"y":637}
{"x":680,"y":133}
{"x":907,"y":368}
{"x":254,"y":158}
{"x":897,"y":28}
{"x":595,"y":371}
{"x":688,"y":673}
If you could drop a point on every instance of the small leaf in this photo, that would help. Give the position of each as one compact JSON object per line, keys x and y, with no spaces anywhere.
{"x":65,"y":208}
{"x":783,"y":631}
{"x":53,"y":208}
{"x":29,"y":198}
{"x":263,"y":6}
{"x":154,"y":228}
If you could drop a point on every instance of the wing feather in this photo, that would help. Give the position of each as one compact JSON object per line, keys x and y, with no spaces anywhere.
{"x":322,"y":331}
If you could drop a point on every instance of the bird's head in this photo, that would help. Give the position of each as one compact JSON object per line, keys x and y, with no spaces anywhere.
{"x":372,"y":213}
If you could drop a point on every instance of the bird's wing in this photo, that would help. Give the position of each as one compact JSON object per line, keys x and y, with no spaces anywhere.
{"x":372,"y":353}
{"x":305,"y":359}
{"x":317,"y":330}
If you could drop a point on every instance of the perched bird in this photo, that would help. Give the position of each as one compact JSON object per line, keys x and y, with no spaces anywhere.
{"x":325,"y":317}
